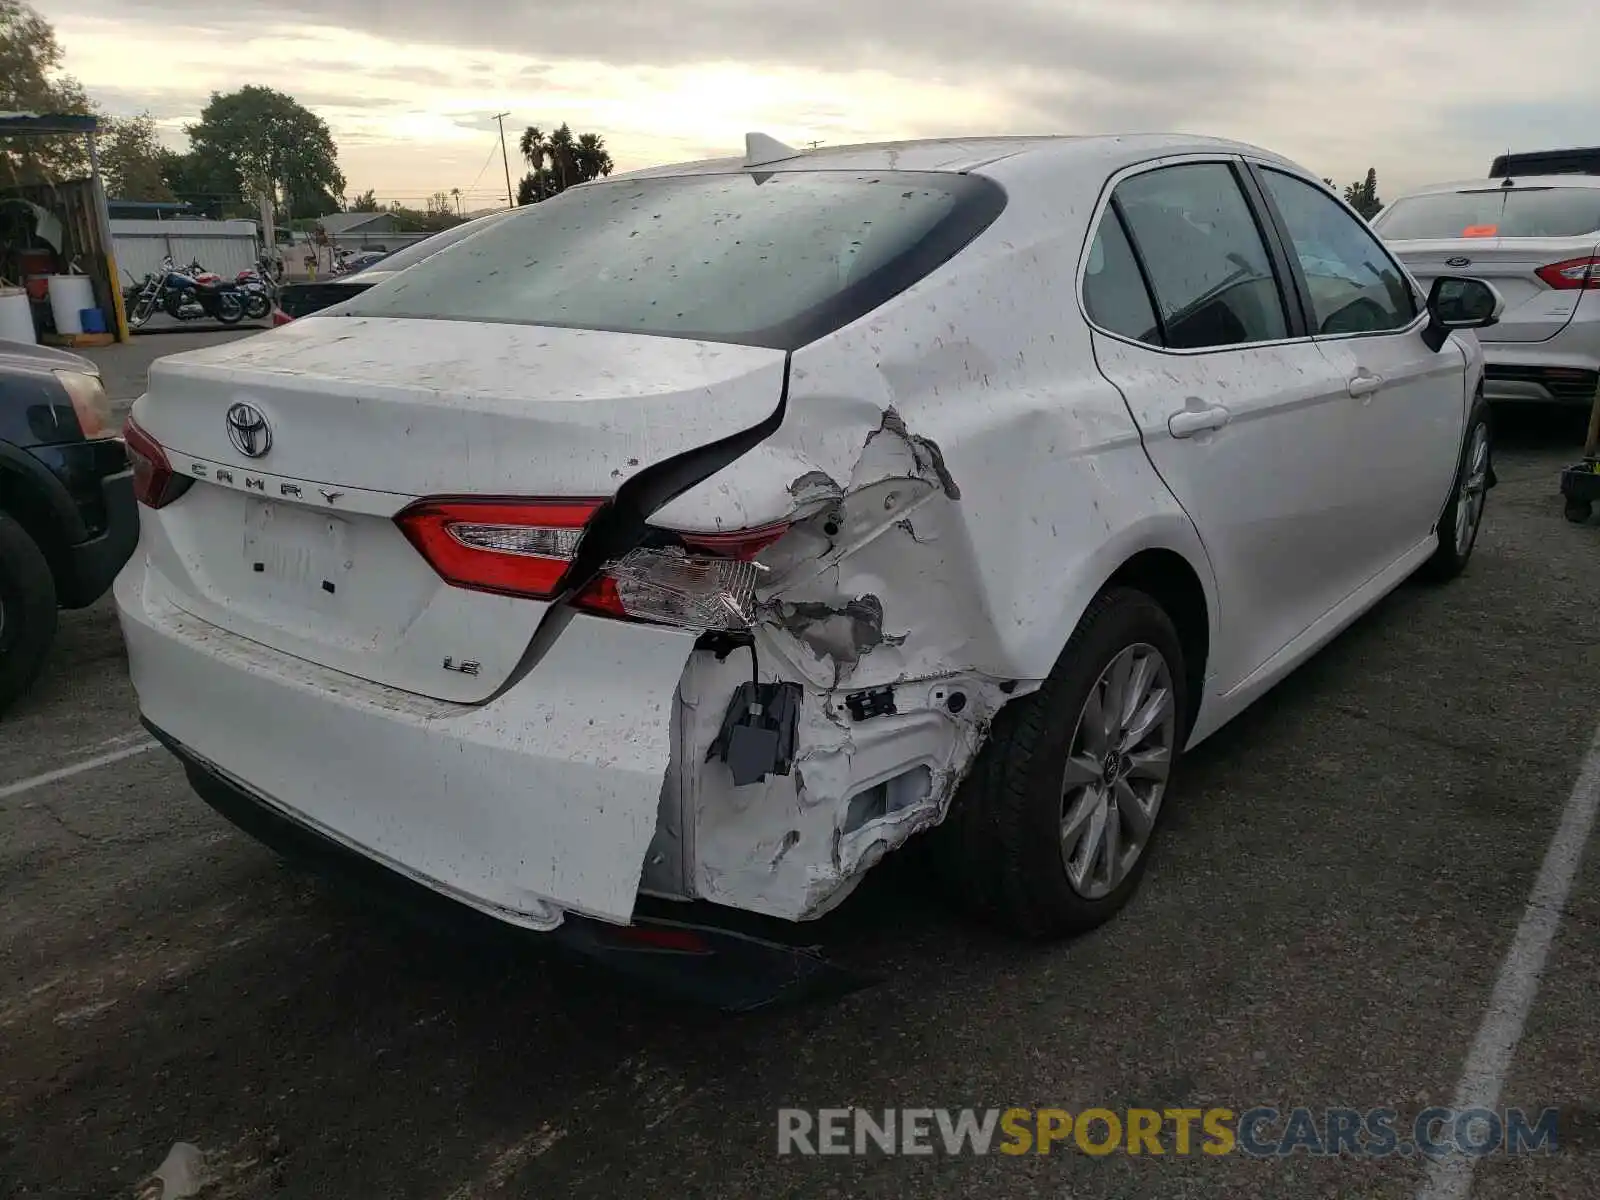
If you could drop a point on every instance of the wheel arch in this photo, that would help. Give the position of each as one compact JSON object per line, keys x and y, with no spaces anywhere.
{"x":35,"y":499}
{"x":1165,"y":560}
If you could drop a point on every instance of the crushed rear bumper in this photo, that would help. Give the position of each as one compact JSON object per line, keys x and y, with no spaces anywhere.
{"x":683,"y":950}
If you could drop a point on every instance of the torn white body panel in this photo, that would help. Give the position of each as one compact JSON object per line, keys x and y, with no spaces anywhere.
{"x":794,"y":846}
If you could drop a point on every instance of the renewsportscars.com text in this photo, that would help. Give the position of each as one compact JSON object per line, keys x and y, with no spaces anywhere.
{"x":1262,"y":1132}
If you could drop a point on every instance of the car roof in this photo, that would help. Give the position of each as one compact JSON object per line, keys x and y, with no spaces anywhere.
{"x":1518,"y":183}
{"x":26,"y":356}
{"x":1109,"y":151}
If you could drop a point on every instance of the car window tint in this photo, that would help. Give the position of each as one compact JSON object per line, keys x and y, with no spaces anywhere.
{"x":1113,"y":290}
{"x":1355,"y":286}
{"x":1208,"y":265}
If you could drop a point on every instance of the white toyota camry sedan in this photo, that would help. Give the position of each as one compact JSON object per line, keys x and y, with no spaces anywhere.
{"x":702,"y":535}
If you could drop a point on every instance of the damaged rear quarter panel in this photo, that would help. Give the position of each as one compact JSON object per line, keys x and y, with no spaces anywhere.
{"x":961,"y":482}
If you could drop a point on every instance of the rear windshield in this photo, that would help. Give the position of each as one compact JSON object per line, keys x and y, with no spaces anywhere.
{"x":767,"y":259}
{"x":1500,"y":212}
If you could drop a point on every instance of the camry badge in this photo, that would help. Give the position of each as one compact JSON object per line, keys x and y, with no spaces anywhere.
{"x":248,"y":430}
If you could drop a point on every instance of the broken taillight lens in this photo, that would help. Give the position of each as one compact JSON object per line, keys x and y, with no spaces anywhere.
{"x":696,"y":581}
{"x":155,"y":484}
{"x":510,"y":547}
{"x":1572,"y":275}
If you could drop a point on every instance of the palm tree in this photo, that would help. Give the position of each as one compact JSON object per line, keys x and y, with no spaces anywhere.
{"x":533,"y":147}
{"x":562,"y":148}
{"x":593,"y":158}
{"x":559,"y":160}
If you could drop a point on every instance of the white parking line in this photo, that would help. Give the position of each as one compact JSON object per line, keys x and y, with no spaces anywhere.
{"x":1518,"y":982}
{"x":88,"y":764}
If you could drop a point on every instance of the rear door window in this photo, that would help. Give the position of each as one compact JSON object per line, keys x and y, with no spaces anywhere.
{"x":1354,"y":286}
{"x":765,"y":258}
{"x":1551,"y":212}
{"x":1208,"y":263}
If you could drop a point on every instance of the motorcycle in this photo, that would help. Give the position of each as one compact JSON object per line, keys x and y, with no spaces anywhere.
{"x":186,"y":296}
{"x":260,"y":287}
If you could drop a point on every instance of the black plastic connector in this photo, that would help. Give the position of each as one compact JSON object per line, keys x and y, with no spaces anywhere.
{"x":863,"y":706}
{"x":757,"y":735}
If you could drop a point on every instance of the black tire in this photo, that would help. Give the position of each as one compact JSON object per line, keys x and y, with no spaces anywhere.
{"x":999,"y":849}
{"x":1577,"y":511}
{"x":230,"y":308}
{"x":27,"y":610}
{"x":257,"y":306}
{"x":1450,"y":559}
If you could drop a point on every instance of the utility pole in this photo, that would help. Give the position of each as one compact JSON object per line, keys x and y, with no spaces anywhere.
{"x":456,"y":192}
{"x":500,"y":119}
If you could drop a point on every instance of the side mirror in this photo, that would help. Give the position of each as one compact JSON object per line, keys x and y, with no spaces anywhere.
{"x":1458,"y":303}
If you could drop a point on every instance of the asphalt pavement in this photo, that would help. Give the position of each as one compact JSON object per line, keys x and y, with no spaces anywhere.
{"x":1346,"y":870}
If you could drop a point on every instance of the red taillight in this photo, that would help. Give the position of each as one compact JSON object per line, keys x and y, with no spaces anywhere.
{"x":526,"y":548}
{"x":511,"y":547}
{"x":155,"y":485}
{"x":1572,"y":275}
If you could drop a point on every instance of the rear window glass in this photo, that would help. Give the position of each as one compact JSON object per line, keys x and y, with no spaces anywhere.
{"x":770,"y":259}
{"x":1502,"y":212}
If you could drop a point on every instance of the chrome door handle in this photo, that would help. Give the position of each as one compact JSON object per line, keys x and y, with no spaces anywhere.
{"x":1364,"y":383}
{"x":1197,"y":420}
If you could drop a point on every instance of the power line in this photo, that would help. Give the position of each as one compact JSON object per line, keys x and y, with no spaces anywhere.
{"x":486,"y":159}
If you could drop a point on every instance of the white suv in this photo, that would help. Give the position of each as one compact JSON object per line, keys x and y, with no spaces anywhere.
{"x":706,"y":533}
{"x":1537,"y":239}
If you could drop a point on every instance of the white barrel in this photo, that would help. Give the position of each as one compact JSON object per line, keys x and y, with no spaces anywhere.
{"x":70,"y":295}
{"x":16,"y":316}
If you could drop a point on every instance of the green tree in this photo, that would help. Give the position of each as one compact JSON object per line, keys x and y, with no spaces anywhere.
{"x":132,"y":159}
{"x":258,"y":133}
{"x":31,"y":81}
{"x":1363,"y":196}
{"x":559,"y":160}
{"x":366,"y":202}
{"x":212,"y":187}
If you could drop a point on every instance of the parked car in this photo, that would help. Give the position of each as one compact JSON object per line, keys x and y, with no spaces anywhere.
{"x":1537,"y":239}
{"x":303,"y":299}
{"x":706,"y":533}
{"x":68,"y":521}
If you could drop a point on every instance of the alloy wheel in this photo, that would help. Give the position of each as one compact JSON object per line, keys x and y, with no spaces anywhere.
{"x":1118,"y":765}
{"x":1474,"y":490}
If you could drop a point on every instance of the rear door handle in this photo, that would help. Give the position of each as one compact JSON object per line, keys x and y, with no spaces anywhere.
{"x":1364,"y":383}
{"x":1197,"y":420}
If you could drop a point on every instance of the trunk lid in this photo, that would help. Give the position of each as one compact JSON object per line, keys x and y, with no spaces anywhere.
{"x":296,"y":547}
{"x":1534,"y":311}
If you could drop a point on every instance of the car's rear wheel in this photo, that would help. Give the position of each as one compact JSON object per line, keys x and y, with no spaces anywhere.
{"x":27,"y":610}
{"x":1463,"y":512}
{"x":1053,"y":829}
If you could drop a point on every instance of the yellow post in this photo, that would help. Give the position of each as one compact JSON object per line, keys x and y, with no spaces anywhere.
{"x":118,"y":309}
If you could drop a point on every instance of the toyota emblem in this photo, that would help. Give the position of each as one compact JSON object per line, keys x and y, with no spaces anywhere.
{"x":1458,"y":261}
{"x":248,"y":430}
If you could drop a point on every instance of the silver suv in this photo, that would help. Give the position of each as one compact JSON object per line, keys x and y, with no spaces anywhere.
{"x":1537,"y":239}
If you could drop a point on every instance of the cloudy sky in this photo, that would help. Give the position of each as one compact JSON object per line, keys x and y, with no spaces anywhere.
{"x":1421,"y":89}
